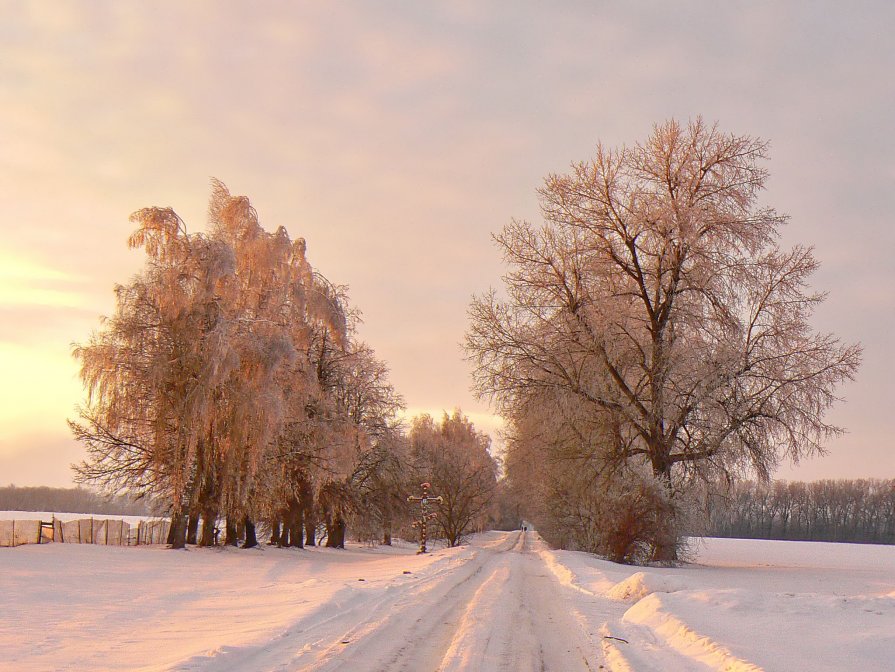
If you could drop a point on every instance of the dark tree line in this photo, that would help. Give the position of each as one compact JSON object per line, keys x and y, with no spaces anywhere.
{"x":68,"y":500}
{"x":860,"y":510}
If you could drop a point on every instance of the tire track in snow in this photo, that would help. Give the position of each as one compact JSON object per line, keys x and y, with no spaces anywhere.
{"x":507,"y":614}
{"x":421,"y":625}
{"x":520,"y":621}
{"x":497,"y":608}
{"x":367,"y":627}
{"x":304,"y":641}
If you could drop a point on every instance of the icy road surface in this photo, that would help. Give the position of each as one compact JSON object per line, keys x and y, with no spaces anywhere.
{"x":504,"y":602}
{"x":491,"y":613}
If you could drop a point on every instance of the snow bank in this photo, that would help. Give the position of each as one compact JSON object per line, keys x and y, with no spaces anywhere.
{"x":652,"y":612}
{"x":641,"y":584}
{"x":749,"y":605}
{"x":580,"y":572}
{"x":777,"y":631}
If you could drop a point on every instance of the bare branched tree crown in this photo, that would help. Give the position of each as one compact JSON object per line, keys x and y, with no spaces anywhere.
{"x":453,"y":456}
{"x":656,"y":301}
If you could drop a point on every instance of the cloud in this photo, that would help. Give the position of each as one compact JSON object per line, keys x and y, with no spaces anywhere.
{"x":396,"y":137}
{"x":26,"y":283}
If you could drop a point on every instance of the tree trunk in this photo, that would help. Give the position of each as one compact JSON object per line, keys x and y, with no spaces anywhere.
{"x":296,"y":521}
{"x":275,"y":532}
{"x":667,"y":538}
{"x":306,"y":500}
{"x":177,"y":534}
{"x":335,"y":533}
{"x":208,"y":523}
{"x":192,"y":528}
{"x":251,"y":539}
{"x":310,"y":530}
{"x":232,"y":535}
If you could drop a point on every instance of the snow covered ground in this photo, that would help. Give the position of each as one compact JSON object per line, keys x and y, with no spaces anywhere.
{"x":504,"y":602}
{"x":744,"y":605}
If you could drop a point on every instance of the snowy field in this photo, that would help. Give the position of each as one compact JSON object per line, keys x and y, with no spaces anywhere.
{"x":504,"y":602}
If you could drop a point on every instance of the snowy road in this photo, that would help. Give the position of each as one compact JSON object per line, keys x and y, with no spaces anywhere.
{"x":500,"y":609}
{"x":491,"y":614}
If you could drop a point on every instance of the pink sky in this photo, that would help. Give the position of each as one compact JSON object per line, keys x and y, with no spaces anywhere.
{"x":395,"y":137}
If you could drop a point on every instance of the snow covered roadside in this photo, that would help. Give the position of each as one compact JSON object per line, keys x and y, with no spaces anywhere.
{"x":78,"y":607}
{"x":742,"y":606}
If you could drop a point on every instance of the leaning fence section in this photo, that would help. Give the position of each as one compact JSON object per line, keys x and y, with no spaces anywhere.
{"x":105,"y":531}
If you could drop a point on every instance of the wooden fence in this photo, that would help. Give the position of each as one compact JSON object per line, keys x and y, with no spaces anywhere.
{"x":106,"y":531}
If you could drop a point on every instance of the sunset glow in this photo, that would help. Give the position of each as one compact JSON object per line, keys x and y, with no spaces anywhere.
{"x":395,"y":138}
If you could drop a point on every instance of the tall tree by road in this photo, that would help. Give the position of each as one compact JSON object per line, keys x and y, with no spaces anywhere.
{"x":656,"y":297}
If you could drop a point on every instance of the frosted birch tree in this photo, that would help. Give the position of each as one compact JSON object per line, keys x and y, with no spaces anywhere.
{"x":657,"y":295}
{"x":202,"y":386}
{"x":153,"y":372}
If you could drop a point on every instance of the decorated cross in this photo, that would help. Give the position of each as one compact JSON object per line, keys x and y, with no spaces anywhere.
{"x":425,"y":499}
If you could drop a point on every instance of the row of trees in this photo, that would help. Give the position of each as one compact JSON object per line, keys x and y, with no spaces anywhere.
{"x":230,"y":383}
{"x":69,"y":500}
{"x":652,"y":337}
{"x":829,"y":510}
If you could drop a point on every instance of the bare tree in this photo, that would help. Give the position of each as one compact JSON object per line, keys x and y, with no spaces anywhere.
{"x":579,"y":498}
{"x":453,"y":456}
{"x":656,"y":297}
{"x":365,"y":394}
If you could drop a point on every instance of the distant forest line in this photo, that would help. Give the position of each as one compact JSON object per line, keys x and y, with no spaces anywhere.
{"x":859,"y":511}
{"x":69,"y":500}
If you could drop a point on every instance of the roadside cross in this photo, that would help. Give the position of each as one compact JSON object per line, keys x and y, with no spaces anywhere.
{"x":424,"y":500}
